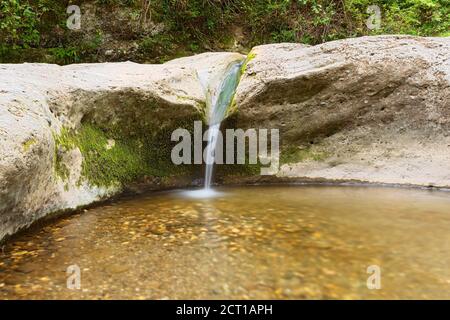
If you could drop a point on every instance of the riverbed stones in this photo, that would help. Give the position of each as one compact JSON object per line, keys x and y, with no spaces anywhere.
{"x":371,"y":109}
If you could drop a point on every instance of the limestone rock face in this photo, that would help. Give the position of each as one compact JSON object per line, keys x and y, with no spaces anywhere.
{"x":373,"y":109}
{"x":38,"y":100}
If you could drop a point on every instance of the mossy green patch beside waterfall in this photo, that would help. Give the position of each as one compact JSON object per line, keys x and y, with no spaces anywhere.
{"x":111,"y":158}
{"x":232,"y":108}
{"x":249,"y":58}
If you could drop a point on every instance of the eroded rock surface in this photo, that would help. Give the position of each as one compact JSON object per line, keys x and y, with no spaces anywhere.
{"x":43,"y":107}
{"x":373,"y":109}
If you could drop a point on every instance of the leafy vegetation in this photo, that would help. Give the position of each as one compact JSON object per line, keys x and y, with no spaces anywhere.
{"x":157,"y":30}
{"x":19,"y":23}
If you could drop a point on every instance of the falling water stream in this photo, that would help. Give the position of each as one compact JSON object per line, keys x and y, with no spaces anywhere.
{"x":220,"y":101}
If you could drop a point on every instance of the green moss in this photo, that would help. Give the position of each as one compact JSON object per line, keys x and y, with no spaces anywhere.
{"x":294,"y":155}
{"x":127,"y":159}
{"x":28,"y":143}
{"x":249,"y":58}
{"x":232,"y":108}
{"x":63,"y":143}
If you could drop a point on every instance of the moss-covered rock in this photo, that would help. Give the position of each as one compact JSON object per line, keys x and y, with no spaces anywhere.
{"x":111,"y":158}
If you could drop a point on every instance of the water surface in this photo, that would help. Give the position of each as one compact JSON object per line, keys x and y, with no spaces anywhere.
{"x":280,"y":242}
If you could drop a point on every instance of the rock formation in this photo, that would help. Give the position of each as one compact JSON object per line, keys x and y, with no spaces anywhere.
{"x":371,"y":109}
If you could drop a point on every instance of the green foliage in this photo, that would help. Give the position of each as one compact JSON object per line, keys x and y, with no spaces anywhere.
{"x":307,"y":21}
{"x":192,"y":26}
{"x":117,"y":2}
{"x":197,"y":18}
{"x":74,"y":54}
{"x":65,"y":55}
{"x":159,"y":45}
{"x":292,"y":21}
{"x":18,"y":24}
{"x":22,"y":26}
{"x":416,"y":17}
{"x":63,"y":143}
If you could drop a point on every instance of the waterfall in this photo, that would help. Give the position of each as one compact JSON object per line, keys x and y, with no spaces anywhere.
{"x":220,"y":100}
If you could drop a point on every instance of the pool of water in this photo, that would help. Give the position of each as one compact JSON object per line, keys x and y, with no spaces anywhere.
{"x":259,"y":242}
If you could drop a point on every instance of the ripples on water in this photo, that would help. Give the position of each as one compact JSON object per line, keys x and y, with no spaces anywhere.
{"x":282,"y":242}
